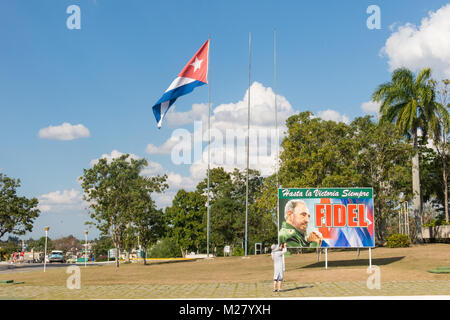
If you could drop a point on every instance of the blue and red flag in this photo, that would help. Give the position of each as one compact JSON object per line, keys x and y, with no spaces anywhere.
{"x":193,"y":75}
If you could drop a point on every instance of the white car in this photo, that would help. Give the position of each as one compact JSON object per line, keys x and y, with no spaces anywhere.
{"x":56,"y":256}
{"x":71,"y":259}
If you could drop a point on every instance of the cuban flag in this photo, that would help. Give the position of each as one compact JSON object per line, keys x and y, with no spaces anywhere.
{"x":193,"y":75}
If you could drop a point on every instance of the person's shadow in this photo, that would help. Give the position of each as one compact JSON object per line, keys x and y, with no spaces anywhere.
{"x":296,"y":288}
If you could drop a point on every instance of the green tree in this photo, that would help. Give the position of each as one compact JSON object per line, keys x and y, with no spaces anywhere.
{"x":111,"y":188}
{"x":320,"y":153}
{"x":186,"y":220}
{"x":440,"y":129}
{"x":432,"y":182}
{"x":17,"y":214}
{"x":8,"y":247}
{"x":265,"y":207}
{"x":255,"y":219}
{"x":165,"y":248}
{"x":221,"y":187}
{"x":227,"y":205}
{"x":408,"y":101}
{"x":317,"y":153}
{"x":227,"y":222}
{"x":148,"y":222}
{"x":39,"y":245}
{"x":221,"y":184}
{"x":129,"y":240}
{"x":382,"y":160}
{"x":101,"y":246}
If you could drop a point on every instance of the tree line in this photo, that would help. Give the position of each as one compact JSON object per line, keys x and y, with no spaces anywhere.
{"x":403,"y":156}
{"x":14,"y":244}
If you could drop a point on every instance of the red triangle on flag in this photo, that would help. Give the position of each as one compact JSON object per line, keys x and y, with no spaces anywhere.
{"x":197,"y":67}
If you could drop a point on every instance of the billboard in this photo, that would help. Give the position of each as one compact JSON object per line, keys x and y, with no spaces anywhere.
{"x":326,"y":217}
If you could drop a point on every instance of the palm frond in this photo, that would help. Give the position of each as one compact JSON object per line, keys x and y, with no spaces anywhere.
{"x":382,"y":91}
{"x":443,"y":115}
{"x":423,"y":76}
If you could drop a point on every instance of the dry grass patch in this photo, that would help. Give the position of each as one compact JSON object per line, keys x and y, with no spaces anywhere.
{"x":400,"y":264}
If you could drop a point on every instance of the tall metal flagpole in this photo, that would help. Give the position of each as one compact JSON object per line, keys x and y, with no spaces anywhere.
{"x":248,"y":134}
{"x":276,"y":119}
{"x":209,"y":152}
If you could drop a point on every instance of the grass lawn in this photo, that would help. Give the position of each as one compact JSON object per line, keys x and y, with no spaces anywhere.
{"x":400,"y":264}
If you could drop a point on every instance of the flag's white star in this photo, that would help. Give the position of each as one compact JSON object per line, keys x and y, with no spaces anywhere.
{"x":196,"y":64}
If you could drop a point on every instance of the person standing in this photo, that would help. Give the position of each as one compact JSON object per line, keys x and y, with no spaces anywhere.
{"x":278,"y":265}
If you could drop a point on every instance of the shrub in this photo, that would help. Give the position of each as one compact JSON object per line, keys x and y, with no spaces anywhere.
{"x":398,"y":240}
{"x":166,"y":248}
{"x":238,"y":251}
{"x":440,"y":221}
{"x":102,"y":258}
{"x":219,"y":251}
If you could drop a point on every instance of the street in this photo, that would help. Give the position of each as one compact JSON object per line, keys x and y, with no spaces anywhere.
{"x":27,"y":267}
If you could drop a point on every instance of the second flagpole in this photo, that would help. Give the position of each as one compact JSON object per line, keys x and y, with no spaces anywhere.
{"x":248,"y":134}
{"x":277,"y":156}
{"x":209,"y":154}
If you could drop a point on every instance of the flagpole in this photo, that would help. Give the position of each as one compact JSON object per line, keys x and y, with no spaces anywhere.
{"x":275,"y":93}
{"x":248,"y":134}
{"x":276,"y":121}
{"x":209,"y":153}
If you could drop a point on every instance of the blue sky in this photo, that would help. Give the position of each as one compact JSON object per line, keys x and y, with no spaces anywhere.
{"x":107,"y":75}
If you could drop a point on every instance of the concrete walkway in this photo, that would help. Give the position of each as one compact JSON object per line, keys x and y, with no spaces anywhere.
{"x":227,"y":290}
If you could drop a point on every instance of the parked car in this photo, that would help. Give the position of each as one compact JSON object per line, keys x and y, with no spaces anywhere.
{"x":56,"y":256}
{"x":71,"y":258}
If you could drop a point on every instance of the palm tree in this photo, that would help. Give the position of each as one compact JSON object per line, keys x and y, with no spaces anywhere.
{"x":408,"y":102}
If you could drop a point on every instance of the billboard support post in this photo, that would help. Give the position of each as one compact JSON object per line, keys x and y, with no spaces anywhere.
{"x":370,"y":258}
{"x":326,"y":258}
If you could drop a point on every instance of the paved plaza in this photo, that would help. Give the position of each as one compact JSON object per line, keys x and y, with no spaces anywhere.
{"x":227,"y":290}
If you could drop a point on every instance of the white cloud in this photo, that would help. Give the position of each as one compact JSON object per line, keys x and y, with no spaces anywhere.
{"x":113,"y":155}
{"x":164,"y":199}
{"x":232,"y":118}
{"x":66,"y":131}
{"x":333,"y":116}
{"x":152,"y":169}
{"x":175,"y":182}
{"x":166,"y":148}
{"x":61,"y":201}
{"x":187,"y":183}
{"x":425,"y":46}
{"x":392,"y":26}
{"x":262,"y":110}
{"x":198,"y":112}
{"x":227,"y":116}
{"x":371,"y":107}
